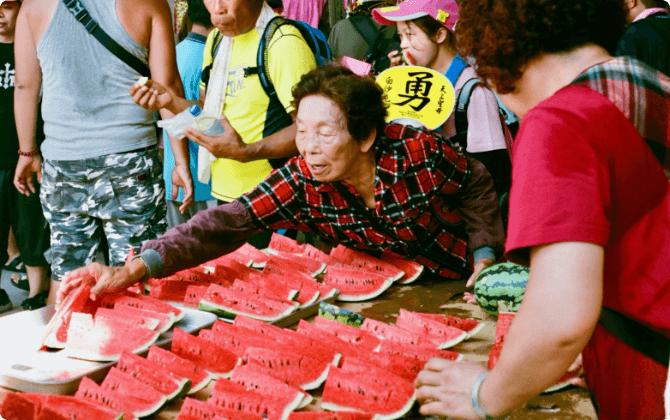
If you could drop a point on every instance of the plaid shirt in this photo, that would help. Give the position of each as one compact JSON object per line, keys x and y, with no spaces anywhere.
{"x":416,"y":173}
{"x":641,"y":93}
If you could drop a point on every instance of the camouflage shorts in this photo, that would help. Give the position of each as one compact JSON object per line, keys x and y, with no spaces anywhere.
{"x":122,"y":194}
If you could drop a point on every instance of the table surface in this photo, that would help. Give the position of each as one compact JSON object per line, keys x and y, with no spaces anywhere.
{"x":436,"y":296}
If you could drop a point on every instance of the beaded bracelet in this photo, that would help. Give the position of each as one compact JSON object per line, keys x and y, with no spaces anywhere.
{"x":474,"y":396}
{"x":29,"y":154}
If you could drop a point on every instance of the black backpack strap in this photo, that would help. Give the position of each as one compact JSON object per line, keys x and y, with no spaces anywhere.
{"x":461,"y":111}
{"x":366,"y":29}
{"x":81,"y":14}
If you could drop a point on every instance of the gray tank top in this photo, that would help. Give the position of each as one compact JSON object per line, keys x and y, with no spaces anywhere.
{"x":86,"y":106}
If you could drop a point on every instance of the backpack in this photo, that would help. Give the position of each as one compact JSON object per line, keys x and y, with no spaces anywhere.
{"x":381,"y":42}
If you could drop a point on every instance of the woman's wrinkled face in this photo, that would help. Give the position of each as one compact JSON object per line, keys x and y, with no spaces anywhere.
{"x":324,"y":141}
{"x":415,"y":41}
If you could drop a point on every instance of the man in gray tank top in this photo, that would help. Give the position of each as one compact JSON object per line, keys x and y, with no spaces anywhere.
{"x":100,"y":169}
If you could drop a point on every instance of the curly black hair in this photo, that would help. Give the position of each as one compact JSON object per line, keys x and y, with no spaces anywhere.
{"x":502,"y":36}
{"x":360,"y":99}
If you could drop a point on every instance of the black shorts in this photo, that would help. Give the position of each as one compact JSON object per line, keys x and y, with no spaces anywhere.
{"x":24,"y":215}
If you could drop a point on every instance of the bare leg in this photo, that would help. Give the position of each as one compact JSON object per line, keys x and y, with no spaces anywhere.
{"x":53,"y":292}
{"x":37,"y":278}
{"x":12,"y":247}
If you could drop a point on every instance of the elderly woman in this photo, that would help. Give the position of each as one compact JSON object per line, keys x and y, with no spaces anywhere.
{"x":589,"y":210}
{"x":357,"y":182}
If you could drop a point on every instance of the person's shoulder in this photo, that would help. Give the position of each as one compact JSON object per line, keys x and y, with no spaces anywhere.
{"x":288,"y":33}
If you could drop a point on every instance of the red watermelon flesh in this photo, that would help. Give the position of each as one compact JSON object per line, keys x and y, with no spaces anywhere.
{"x":165,"y":320}
{"x":253,"y":377}
{"x":75,"y":409}
{"x":90,"y":391}
{"x":356,"y":285}
{"x":179,"y":366}
{"x":200,"y":410}
{"x":401,"y":366}
{"x":422,"y":354}
{"x":173,"y":290}
{"x":268,"y":292}
{"x":329,"y":415}
{"x":211,"y":357}
{"x":224,"y":272}
{"x":352,"y":391}
{"x":393,"y":333}
{"x":162,"y":380}
{"x":316,"y":254}
{"x":283,"y":268}
{"x":305,"y":265}
{"x":199,"y":277}
{"x":194,"y":294}
{"x":295,"y":369}
{"x":248,"y":251}
{"x":105,"y":339}
{"x":353,"y":335}
{"x":231,"y":395}
{"x":300,"y":342}
{"x":412,"y":269}
{"x":280,"y":289}
{"x":55,"y":335}
{"x":228,"y":303}
{"x":308,"y":291}
{"x":141,"y":398}
{"x":362,"y":260}
{"x":46,"y":413}
{"x":236,"y":339}
{"x":320,"y":336}
{"x":379,"y":376}
{"x":141,"y":321}
{"x":223,"y":267}
{"x":142,"y":302}
{"x":284,"y":243}
{"x":445,"y":335}
{"x":470,"y":326}
{"x":16,"y":406}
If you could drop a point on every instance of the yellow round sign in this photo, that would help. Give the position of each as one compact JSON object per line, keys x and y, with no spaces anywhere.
{"x":417,"y":93}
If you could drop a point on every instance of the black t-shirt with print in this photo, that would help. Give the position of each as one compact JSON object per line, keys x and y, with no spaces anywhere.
{"x":9,"y":140}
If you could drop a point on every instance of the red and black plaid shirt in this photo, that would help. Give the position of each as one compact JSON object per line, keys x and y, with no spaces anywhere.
{"x":416,"y":173}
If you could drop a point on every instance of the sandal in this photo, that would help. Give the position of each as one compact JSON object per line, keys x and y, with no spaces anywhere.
{"x":36,"y":302}
{"x":15,"y":265}
{"x":20,"y":281}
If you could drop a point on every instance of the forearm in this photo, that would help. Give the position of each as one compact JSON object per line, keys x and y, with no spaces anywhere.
{"x":179,"y":146}
{"x":178,"y":104}
{"x":275,"y":146}
{"x":26,"y":101}
{"x":208,"y":235}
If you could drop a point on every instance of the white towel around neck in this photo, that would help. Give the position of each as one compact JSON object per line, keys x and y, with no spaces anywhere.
{"x":218,"y":87}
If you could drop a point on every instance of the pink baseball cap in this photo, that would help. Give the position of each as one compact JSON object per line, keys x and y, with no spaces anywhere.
{"x":443,"y":11}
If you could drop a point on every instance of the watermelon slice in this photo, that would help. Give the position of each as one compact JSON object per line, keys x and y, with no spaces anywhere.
{"x":46,"y":413}
{"x":140,"y":321}
{"x":173,"y":290}
{"x":227,"y":303}
{"x":55,"y":335}
{"x":399,"y":365}
{"x":443,"y":334}
{"x":356,"y":285}
{"x":379,"y":376}
{"x":284,"y":243}
{"x":353,"y":391}
{"x":283,"y":268}
{"x":75,"y":408}
{"x":141,"y":398}
{"x":231,"y":395}
{"x":194,"y":294}
{"x":105,"y":339}
{"x":180,"y":367}
{"x":165,"y":320}
{"x":329,"y":415}
{"x":295,"y":369}
{"x":236,"y":340}
{"x":412,"y":269}
{"x":267,"y":284}
{"x":308,"y":289}
{"x":211,"y":357}
{"x":142,"y":302}
{"x":162,"y":380}
{"x":353,"y":335}
{"x":92,"y":392}
{"x":316,"y":254}
{"x":422,"y":354}
{"x":268,"y":293}
{"x":254,"y":377}
{"x":16,"y":406}
{"x":393,"y":333}
{"x":320,"y":336}
{"x":193,"y":409}
{"x":249,"y":252}
{"x":359,"y":259}
{"x":305,"y":265}
{"x":470,"y":326}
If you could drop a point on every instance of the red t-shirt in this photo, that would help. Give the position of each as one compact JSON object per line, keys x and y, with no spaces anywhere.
{"x":582,"y":173}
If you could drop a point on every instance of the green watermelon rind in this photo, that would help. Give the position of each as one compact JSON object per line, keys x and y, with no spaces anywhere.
{"x":504,"y":282}
{"x":230,"y":314}
{"x":360,"y":298}
{"x":378,"y":416}
{"x":183,"y":384}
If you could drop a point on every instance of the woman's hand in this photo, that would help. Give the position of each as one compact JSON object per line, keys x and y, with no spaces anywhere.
{"x":443,"y":388}
{"x":396,"y":58}
{"x":151,"y":95}
{"x":23,"y":176}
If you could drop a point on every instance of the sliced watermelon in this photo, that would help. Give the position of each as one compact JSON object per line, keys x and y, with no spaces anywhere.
{"x":142,"y":302}
{"x":248,"y":251}
{"x":470,"y":326}
{"x":211,"y":357}
{"x":320,"y":336}
{"x":422,"y":354}
{"x":295,"y":369}
{"x":393,"y":333}
{"x":141,"y":398}
{"x":284,"y":243}
{"x":268,"y":293}
{"x":166,"y":320}
{"x":274,"y":287}
{"x":233,"y":396}
{"x":365,"y":261}
{"x":316,"y":254}
{"x":283,"y":268}
{"x":237,"y":339}
{"x":296,"y":262}
{"x":105,"y":339}
{"x":255,"y":378}
{"x":90,"y":391}
{"x":140,"y":321}
{"x":227,"y":303}
{"x":179,"y":366}
{"x":46,"y":413}
{"x":412,"y":269}
{"x":353,"y":391}
{"x":16,"y":406}
{"x":200,"y":410}
{"x":355,"y":285}
{"x":194,"y":294}
{"x":443,"y":334}
{"x":162,"y":380}
{"x":173,"y":290}
{"x":308,"y":289}
{"x":224,"y":266}
{"x":55,"y":335}
{"x":353,"y":335}
{"x":329,"y":415}
{"x":379,"y":376}
{"x":75,"y":408}
{"x":399,"y":365}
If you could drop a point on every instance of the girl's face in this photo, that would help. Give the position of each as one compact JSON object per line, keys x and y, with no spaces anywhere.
{"x":414,"y":41}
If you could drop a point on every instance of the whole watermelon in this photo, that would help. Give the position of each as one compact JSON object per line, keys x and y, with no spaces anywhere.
{"x":504,"y":282}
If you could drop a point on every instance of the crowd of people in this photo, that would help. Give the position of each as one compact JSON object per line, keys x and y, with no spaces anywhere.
{"x":585,"y":183}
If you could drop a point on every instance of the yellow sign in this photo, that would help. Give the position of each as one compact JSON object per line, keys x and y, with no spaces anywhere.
{"x":417,"y":93}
